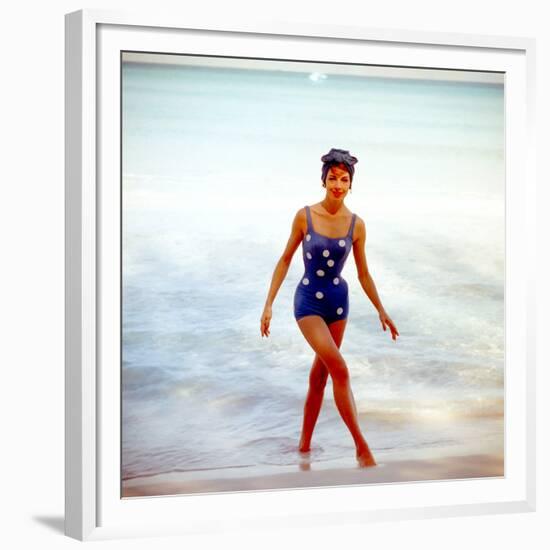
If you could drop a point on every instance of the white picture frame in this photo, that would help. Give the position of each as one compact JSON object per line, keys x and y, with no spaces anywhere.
{"x":93,"y":509}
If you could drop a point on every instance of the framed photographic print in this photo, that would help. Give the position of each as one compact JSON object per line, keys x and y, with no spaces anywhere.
{"x":299,"y":273}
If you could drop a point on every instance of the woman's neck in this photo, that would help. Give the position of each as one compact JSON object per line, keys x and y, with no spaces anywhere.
{"x":332,"y":206}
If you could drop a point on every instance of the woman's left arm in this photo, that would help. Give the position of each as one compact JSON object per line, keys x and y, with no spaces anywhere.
{"x":366,"y":280}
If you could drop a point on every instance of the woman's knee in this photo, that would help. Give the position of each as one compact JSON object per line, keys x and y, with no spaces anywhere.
{"x":337,"y":369}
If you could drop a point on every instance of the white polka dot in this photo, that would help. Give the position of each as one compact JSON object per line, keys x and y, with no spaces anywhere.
{"x":308,"y":254}
{"x":335,"y":280}
{"x":341,"y":242}
{"x":326,"y":253}
{"x":319,"y":294}
{"x":305,"y":281}
{"x":340,"y":311}
{"x":308,"y":237}
{"x":320,"y":272}
{"x":330,"y":263}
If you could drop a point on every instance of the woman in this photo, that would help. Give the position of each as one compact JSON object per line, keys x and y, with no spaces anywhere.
{"x":328,"y":231}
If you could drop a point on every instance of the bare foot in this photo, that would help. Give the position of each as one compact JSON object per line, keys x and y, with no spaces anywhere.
{"x":365,"y":459}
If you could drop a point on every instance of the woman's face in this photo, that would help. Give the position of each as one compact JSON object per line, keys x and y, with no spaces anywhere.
{"x":337,"y":182}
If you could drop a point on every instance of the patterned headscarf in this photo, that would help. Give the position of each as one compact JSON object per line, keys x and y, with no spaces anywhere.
{"x":335,"y":157}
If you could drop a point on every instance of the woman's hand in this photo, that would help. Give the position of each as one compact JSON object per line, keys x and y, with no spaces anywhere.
{"x":387,"y":322}
{"x":266,"y":319}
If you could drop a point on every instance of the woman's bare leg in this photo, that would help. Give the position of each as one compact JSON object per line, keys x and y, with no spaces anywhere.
{"x":317,"y":382}
{"x":319,"y":337}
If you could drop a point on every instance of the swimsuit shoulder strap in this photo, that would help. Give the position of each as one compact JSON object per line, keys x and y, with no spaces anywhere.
{"x":350,"y":232}
{"x":308,"y":215}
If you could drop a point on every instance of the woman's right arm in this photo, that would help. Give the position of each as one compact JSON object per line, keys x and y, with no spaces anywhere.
{"x":281,"y":269}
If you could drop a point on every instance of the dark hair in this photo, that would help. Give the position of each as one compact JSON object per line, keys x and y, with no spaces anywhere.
{"x":335,"y":157}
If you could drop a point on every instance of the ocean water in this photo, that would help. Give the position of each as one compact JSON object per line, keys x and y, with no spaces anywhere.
{"x":216,"y":162}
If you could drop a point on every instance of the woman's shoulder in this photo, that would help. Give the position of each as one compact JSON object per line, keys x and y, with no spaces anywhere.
{"x":359,"y":222}
{"x":300,"y":219}
{"x":301,"y":213}
{"x":360,"y":228}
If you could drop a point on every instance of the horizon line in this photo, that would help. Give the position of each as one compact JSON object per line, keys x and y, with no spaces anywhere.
{"x":311,"y":67}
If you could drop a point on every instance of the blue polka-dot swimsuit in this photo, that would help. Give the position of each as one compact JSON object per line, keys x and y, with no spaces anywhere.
{"x":322,"y":290}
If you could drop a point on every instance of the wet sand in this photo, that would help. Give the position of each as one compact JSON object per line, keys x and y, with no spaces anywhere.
{"x":417,"y":466}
